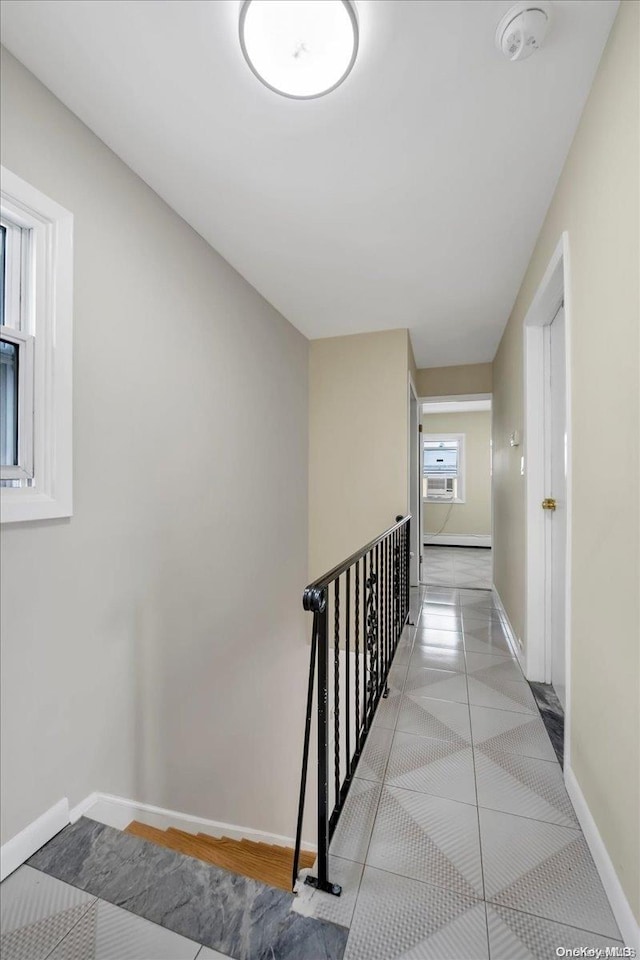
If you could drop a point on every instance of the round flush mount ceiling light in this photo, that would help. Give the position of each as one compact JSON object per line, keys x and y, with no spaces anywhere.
{"x":521,"y":31}
{"x":299,"y":48}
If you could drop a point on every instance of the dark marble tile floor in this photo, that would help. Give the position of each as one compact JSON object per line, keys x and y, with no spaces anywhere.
{"x":552,"y":715}
{"x":240,"y":917}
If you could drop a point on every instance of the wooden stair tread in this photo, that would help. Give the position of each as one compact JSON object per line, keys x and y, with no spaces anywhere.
{"x":267,"y":863}
{"x":226,"y":843}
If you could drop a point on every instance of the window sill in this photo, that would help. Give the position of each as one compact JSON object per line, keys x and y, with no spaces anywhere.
{"x":442,"y":501}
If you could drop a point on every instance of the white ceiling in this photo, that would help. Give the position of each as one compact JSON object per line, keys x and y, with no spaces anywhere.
{"x":409,"y":197}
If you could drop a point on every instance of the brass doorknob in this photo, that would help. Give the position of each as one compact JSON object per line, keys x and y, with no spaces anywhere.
{"x":548,"y":503}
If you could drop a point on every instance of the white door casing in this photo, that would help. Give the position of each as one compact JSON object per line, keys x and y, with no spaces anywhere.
{"x":547,"y":611}
{"x":556,"y":520}
{"x":415,"y":493}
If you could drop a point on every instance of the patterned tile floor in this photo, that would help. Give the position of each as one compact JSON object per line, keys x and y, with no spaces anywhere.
{"x":45,"y":919}
{"x":467,"y":567}
{"x":458,"y":838}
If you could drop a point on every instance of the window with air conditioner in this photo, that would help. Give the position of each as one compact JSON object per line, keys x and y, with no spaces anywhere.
{"x":443,"y":468}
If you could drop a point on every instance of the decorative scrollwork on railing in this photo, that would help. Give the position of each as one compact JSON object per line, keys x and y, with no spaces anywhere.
{"x":372,"y":631}
{"x":396,"y":585}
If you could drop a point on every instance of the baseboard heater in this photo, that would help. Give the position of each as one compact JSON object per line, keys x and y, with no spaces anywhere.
{"x":457,"y":540}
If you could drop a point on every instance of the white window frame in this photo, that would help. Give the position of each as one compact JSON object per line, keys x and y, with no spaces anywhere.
{"x":25,"y":344}
{"x":45,"y":341}
{"x":461,"y":484}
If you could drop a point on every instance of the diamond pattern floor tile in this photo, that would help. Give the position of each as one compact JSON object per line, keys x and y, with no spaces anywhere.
{"x":491,"y":631}
{"x":519,"y":936}
{"x":432,"y":608}
{"x":488,"y":691}
{"x":441,"y":719}
{"x":439,"y":684}
{"x":484,"y":665}
{"x":457,"y":566}
{"x":402,"y":654}
{"x":442,"y":768}
{"x":373,"y":762}
{"x":399,"y":918}
{"x":428,"y":838}
{"x":36,"y":912}
{"x":543,"y":869}
{"x":495,"y":648}
{"x":502,"y":731}
{"x":353,"y":832}
{"x":523,"y":786}
{"x":438,"y":658}
{"x":451,"y":622}
{"x":477,"y":601}
{"x":439,"y":638}
{"x":387,"y":710}
{"x":397,"y":675}
{"x":441,"y":595}
{"x":106,"y":932}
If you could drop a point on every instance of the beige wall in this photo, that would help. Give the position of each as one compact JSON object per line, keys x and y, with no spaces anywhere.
{"x":472,"y":518}
{"x":452,"y":381}
{"x":152,"y":645}
{"x":358,"y":432}
{"x":597,"y":202}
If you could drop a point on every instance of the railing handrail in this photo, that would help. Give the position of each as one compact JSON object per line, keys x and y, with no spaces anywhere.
{"x":377,"y":578}
{"x":310,"y":596}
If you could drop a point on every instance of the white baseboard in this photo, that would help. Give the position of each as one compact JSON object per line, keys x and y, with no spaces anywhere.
{"x":118,"y":812}
{"x":620,"y":906}
{"x":14,"y":852}
{"x":456,"y":540}
{"x":512,"y":637}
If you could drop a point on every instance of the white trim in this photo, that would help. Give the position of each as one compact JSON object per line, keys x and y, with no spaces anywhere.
{"x":432,"y":408}
{"x":83,"y":807}
{"x":456,"y":397}
{"x":414,"y":449}
{"x":512,"y":637}
{"x":48,"y":318}
{"x":118,"y":812}
{"x":458,"y":540}
{"x":14,"y":852}
{"x":24,"y":343}
{"x":620,"y":906}
{"x":554,"y":287}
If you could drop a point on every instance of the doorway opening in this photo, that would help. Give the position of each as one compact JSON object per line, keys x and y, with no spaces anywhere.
{"x":455,"y":481}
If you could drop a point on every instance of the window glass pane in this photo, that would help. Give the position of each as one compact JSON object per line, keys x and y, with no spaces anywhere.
{"x":3,"y":247}
{"x":8,"y":404}
{"x":441,"y":459}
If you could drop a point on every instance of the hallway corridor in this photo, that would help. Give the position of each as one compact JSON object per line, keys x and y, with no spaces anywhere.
{"x":458,"y":839}
{"x":466,"y":567}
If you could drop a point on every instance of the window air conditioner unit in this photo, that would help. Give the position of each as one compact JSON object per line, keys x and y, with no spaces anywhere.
{"x":440,"y":488}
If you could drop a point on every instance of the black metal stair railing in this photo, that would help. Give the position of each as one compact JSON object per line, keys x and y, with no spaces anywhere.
{"x":359,"y":611}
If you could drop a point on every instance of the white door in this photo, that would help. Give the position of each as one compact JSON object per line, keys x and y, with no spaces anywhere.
{"x":557,"y":519}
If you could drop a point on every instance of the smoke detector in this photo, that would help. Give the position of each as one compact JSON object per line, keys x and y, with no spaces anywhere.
{"x":522,"y":30}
